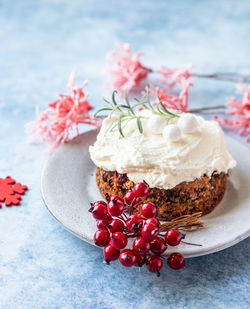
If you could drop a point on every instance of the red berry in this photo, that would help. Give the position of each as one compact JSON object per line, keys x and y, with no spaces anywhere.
{"x":141,"y":189}
{"x":116,"y":225}
{"x":141,"y":260}
{"x":99,"y":210}
{"x":117,"y":197}
{"x":176,"y":261}
{"x":101,"y":237}
{"x":153,"y":221}
{"x":110,"y":253}
{"x":148,"y":210}
{"x":102,"y":224}
{"x":158,"y":245}
{"x":128,"y":258}
{"x":131,"y":199}
{"x":134,"y":223}
{"x":173,"y":237}
{"x":141,"y":246}
{"x":149,"y":232}
{"x":109,"y":218}
{"x":154,"y":264}
{"x":115,"y":206}
{"x":100,"y":203}
{"x":119,"y":240}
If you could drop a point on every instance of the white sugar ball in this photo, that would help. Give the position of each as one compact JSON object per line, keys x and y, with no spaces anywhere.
{"x":156,"y":124}
{"x":188,"y":123}
{"x":172,"y":133}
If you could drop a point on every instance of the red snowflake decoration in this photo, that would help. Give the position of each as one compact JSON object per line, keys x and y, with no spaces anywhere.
{"x":10,"y":191}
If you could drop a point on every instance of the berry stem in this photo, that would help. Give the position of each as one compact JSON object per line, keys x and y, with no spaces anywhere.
{"x":161,"y":236}
{"x":190,"y":243}
{"x":124,"y":216}
{"x":106,"y":262}
{"x":133,"y":235}
{"x":131,"y":209}
{"x":121,"y":218}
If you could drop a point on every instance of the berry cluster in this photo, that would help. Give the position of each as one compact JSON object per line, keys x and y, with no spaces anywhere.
{"x":114,"y":229}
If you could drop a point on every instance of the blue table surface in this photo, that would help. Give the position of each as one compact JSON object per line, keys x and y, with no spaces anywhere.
{"x":41,"y":264}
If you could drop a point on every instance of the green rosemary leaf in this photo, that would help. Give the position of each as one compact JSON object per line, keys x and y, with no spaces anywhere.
{"x":166,"y":110}
{"x":125,"y":120}
{"x":126,"y":98}
{"x":128,"y":104}
{"x":159,"y":110}
{"x":141,"y":103}
{"x":148,"y":99}
{"x":120,"y":125}
{"x":137,"y":101}
{"x":102,"y":109}
{"x":126,"y":112}
{"x":135,"y":105}
{"x":124,"y":106}
{"x":159,"y":99}
{"x":111,"y":127}
{"x":113,"y":97}
{"x":144,"y":105}
{"x":139,"y":125}
{"x":107,"y":101}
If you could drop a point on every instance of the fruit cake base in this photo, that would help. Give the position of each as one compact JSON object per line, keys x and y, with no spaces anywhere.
{"x":186,"y":198}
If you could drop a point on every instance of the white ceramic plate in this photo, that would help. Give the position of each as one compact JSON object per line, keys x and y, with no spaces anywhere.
{"x":68,"y":187}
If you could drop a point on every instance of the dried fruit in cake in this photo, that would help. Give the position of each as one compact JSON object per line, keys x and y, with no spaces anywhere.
{"x":202,"y":194}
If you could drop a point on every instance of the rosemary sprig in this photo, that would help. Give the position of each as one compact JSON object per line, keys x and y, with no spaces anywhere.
{"x":127,"y":111}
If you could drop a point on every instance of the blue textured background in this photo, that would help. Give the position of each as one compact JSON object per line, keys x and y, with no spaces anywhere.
{"x":41,"y":264}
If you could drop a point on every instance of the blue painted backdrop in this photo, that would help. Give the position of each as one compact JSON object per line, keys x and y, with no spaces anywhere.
{"x":41,"y":264}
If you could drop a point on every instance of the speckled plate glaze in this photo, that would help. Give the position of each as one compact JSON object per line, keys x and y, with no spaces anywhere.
{"x":68,"y":186}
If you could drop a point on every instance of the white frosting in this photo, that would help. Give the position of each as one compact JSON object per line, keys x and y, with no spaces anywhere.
{"x":158,"y":160}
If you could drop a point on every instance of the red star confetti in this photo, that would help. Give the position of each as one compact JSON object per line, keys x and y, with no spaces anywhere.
{"x":10,"y":191}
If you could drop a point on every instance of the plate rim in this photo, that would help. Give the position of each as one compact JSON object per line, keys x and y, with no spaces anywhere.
{"x":215,"y":249}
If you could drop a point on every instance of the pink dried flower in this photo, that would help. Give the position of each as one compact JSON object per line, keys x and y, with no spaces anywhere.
{"x":178,"y":102}
{"x":59,"y":123}
{"x":171,"y":77}
{"x":125,"y":69}
{"x":240,"y":108}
